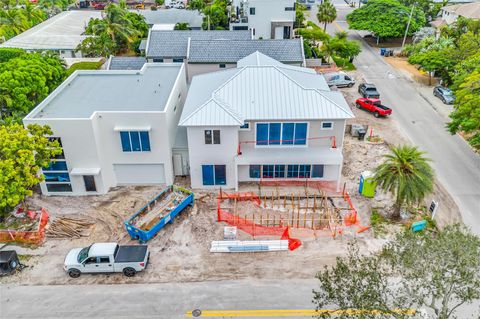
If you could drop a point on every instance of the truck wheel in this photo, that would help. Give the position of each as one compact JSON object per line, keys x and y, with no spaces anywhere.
{"x":129,"y":272}
{"x":350,"y":85}
{"x":74,"y":273}
{"x":376,"y":114}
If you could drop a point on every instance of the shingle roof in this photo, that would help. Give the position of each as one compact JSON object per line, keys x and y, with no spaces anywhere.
{"x":174,"y":44}
{"x":172,"y":16}
{"x":63,"y":31}
{"x":230,"y":51}
{"x":270,"y":91}
{"x":468,"y":10}
{"x":126,"y":63}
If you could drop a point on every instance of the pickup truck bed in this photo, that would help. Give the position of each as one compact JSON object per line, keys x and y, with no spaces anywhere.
{"x":127,"y":254}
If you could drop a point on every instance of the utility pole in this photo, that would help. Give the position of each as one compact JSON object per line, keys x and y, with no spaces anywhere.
{"x":408,"y":25}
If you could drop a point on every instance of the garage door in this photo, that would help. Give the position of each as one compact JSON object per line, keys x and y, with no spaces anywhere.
{"x":139,"y":173}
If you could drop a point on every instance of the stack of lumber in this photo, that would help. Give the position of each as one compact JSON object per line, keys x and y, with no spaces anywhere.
{"x":66,"y":227}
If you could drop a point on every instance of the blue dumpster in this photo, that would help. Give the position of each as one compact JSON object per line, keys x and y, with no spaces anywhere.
{"x":382,"y":51}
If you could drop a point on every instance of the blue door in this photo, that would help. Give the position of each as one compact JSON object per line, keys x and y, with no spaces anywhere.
{"x":220,"y":175}
{"x":208,"y":175}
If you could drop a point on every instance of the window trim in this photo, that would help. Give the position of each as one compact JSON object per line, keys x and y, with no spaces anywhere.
{"x":248,"y":128}
{"x":282,"y":145}
{"x":214,"y":175}
{"x":212,"y":137}
{"x":326,"y":128}
{"x":143,"y":148}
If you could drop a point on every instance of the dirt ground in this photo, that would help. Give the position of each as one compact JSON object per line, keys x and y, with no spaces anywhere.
{"x":180,"y":252}
{"x":410,"y":71}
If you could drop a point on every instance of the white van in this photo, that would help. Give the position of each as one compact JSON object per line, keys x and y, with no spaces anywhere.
{"x":339,"y":79}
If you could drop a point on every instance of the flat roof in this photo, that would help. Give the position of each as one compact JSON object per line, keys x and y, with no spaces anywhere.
{"x":86,"y":92}
{"x":63,"y":31}
{"x":172,"y":16}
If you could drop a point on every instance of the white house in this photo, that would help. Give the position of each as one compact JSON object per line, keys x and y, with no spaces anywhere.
{"x":263,"y":120}
{"x":449,"y":14}
{"x":115,"y":128}
{"x":268,"y":19}
{"x":61,"y":33}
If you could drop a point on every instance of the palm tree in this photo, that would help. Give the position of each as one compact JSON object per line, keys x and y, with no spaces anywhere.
{"x":406,"y":174}
{"x":326,"y":13}
{"x":14,"y":20}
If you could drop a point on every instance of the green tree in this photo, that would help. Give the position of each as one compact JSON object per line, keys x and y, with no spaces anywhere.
{"x":436,"y":271}
{"x":385,"y":18}
{"x":23,"y":152}
{"x":215,"y":16}
{"x":466,"y":115}
{"x":13,"y":22}
{"x":326,"y":13}
{"x":182,"y":26}
{"x":406,"y":174}
{"x":299,"y":16}
{"x":159,"y":2}
{"x":26,"y":80}
{"x":10,"y":53}
{"x":432,"y":61}
{"x":196,"y":5}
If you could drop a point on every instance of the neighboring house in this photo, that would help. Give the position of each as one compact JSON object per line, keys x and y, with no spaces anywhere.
{"x":125,"y":63}
{"x":61,"y":33}
{"x":263,"y":120}
{"x":172,"y":46}
{"x":158,"y":19}
{"x":115,"y":128}
{"x":212,"y":55}
{"x":450,"y":14}
{"x":268,"y":19}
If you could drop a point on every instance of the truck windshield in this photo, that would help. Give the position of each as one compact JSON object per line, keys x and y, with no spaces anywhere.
{"x":83,"y":254}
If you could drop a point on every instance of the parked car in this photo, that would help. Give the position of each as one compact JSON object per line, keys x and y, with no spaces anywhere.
{"x":180,"y":5}
{"x":374,"y":106}
{"x":368,"y":90}
{"x":99,"y":5}
{"x":444,"y":94}
{"x":106,"y":258}
{"x":339,"y":79}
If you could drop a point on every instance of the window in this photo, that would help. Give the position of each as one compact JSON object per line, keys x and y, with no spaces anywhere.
{"x":252,"y":11}
{"x":286,"y":32}
{"x":222,"y":66}
{"x":268,"y":171}
{"x":103,"y":260}
{"x":135,"y":141}
{"x":56,"y":174}
{"x":214,"y":175}
{"x":157,"y":60}
{"x":317,"y":171}
{"x":59,"y":187}
{"x":56,"y":166}
{"x":304,"y":171}
{"x":240,"y":27}
{"x":245,"y":126}
{"x":292,"y":171}
{"x":89,"y":182}
{"x":59,"y":140}
{"x":91,"y":260}
{"x":178,"y":60}
{"x":281,"y":133}
{"x":254,"y":171}
{"x":57,"y":177}
{"x":327,"y":125}
{"x":212,"y":136}
{"x":279,"y":171}
{"x":289,"y":8}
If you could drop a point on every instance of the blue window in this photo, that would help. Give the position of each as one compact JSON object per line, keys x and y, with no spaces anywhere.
{"x":214,"y":175}
{"x":327,"y":125}
{"x":245,"y":126}
{"x":292,"y":171}
{"x":57,"y":177}
{"x":274,"y":133}
{"x":262,"y":134}
{"x":268,"y":171}
{"x":178,"y":60}
{"x":254,"y":171}
{"x":279,"y":171}
{"x":287,"y":133}
{"x":56,"y":166}
{"x":300,"y":133}
{"x":135,"y":141}
{"x":304,"y":171}
{"x":317,"y":171}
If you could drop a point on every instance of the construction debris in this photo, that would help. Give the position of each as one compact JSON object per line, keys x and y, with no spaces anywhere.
{"x":251,"y":246}
{"x":66,"y":227}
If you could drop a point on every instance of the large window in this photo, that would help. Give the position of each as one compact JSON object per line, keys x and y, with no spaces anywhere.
{"x":268,"y":171}
{"x":135,"y":141}
{"x":317,"y":171}
{"x":214,"y":175}
{"x":212,"y":136}
{"x":286,"y":171}
{"x":255,"y":171}
{"x":282,"y":133}
{"x":57,"y":178}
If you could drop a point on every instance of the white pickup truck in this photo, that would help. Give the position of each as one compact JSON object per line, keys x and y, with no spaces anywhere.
{"x":106,"y":258}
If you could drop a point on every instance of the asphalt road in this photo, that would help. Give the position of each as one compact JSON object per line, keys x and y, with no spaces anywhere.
{"x":456,"y":165}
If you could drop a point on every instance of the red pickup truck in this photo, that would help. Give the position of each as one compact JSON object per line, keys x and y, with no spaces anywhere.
{"x":374,"y":106}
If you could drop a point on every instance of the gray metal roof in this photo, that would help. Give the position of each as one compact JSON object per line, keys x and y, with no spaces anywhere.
{"x":230,"y":51}
{"x":86,"y":92}
{"x":268,"y":91}
{"x":126,"y":63}
{"x":172,"y":16}
{"x":63,"y":31}
{"x":174,"y":43}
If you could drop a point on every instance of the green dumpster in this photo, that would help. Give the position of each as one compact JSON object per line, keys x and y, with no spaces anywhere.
{"x":367,"y":184}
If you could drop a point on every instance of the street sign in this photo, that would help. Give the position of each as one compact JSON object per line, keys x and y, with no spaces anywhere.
{"x":433,"y":208}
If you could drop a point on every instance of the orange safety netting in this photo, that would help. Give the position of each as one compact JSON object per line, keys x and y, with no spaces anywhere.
{"x":27,"y":237}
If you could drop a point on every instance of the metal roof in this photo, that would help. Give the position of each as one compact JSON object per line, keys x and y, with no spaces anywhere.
{"x":126,"y":63}
{"x":230,"y":51}
{"x":86,"y":92}
{"x":63,"y":31}
{"x":270,"y":91}
{"x":174,"y":43}
{"x":172,"y":16}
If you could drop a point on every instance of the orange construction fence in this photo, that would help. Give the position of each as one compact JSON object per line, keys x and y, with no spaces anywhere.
{"x":35,"y":237}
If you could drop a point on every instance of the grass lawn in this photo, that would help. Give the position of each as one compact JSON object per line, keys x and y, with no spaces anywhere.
{"x":85,"y":66}
{"x":344,"y":64}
